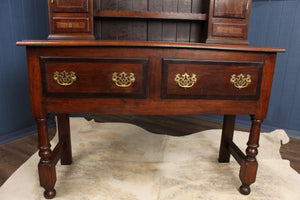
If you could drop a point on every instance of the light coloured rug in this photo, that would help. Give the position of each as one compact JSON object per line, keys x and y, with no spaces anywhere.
{"x":119,"y":161}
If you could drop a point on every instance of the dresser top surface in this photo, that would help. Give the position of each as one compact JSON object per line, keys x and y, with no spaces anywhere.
{"x":100,"y":43}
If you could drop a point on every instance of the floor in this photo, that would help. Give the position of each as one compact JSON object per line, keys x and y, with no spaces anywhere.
{"x":15,"y":153}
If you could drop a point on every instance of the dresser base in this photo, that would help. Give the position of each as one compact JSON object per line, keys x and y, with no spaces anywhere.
{"x":148,"y":78}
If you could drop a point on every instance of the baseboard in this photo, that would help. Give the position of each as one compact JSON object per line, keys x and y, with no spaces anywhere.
{"x":247,"y":123}
{"x":21,"y":133}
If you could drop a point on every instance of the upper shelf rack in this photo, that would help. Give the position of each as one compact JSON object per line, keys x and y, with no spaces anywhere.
{"x":150,"y":15}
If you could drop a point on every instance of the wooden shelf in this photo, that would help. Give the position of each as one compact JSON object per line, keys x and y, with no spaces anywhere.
{"x":149,"y":15}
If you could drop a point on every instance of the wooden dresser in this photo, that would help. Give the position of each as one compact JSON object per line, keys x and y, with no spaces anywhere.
{"x":149,"y":57}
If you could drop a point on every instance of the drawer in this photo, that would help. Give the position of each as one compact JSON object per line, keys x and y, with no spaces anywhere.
{"x":70,"y":5}
{"x":94,"y":77}
{"x":208,"y":79}
{"x":229,"y":30}
{"x":231,"y":8}
{"x":71,"y":25}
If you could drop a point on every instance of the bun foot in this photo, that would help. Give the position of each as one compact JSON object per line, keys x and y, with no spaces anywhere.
{"x":50,"y":194}
{"x":245,"y":189}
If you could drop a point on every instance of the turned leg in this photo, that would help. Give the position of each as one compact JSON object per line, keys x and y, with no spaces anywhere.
{"x":227,"y":135}
{"x":47,"y":171}
{"x":249,"y":164}
{"x":64,"y":137}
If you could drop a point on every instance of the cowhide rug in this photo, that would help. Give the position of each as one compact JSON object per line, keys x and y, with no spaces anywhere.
{"x":119,"y":161}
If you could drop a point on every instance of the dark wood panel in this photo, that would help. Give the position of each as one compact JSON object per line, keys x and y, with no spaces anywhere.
{"x":139,"y":27}
{"x":124,"y":5}
{"x":230,"y":8}
{"x":142,"y":30}
{"x":71,"y":25}
{"x":98,"y":29}
{"x":94,"y":77}
{"x":109,"y":30}
{"x":212,"y":79}
{"x":97,"y":4}
{"x":181,"y":15}
{"x":109,"y":4}
{"x":229,"y":30}
{"x":155,"y":30}
{"x":197,"y":33}
{"x":139,"y":30}
{"x":169,"y":29}
{"x":183,"y":29}
{"x":155,"y":27}
{"x":140,"y":5}
{"x":70,"y":5}
{"x":123,"y":29}
{"x":198,"y":6}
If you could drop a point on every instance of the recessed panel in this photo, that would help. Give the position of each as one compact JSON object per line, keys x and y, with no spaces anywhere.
{"x":209,"y":79}
{"x":70,"y":5}
{"x":94,"y":77}
{"x":230,"y":8}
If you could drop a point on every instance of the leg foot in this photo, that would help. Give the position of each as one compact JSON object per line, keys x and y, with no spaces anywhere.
{"x":245,"y":189}
{"x":49,"y":194}
{"x":46,"y":167}
{"x":249,"y":164}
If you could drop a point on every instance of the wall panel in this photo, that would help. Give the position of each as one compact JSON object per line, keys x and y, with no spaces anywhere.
{"x":19,"y":19}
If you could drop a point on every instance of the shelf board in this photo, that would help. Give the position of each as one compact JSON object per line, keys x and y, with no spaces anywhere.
{"x":150,"y":15}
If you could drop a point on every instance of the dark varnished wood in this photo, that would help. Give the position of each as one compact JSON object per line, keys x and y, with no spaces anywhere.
{"x":227,"y":135}
{"x":65,"y":138}
{"x":211,"y":21}
{"x":70,"y":19}
{"x":249,"y":165}
{"x":71,"y":25}
{"x":151,"y":20}
{"x":149,"y":15}
{"x":183,"y":45}
{"x":228,"y":22}
{"x":231,"y":8}
{"x":70,"y":6}
{"x":94,"y":77}
{"x":128,"y":25}
{"x":213,"y":79}
{"x":229,"y":30}
{"x":101,"y":59}
{"x":47,"y":172}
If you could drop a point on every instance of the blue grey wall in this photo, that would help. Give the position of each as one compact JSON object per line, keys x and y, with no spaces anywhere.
{"x":19,"y":19}
{"x":272,"y":23}
{"x":276,"y":23}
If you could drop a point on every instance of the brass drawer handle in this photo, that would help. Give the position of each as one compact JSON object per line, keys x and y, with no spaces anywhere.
{"x":70,"y":25}
{"x":123,"y":80}
{"x":185,"y":80}
{"x":64,"y":78}
{"x":240,"y":81}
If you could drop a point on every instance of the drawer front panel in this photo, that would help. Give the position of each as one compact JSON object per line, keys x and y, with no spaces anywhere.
{"x":94,"y":77}
{"x":231,"y":8}
{"x":70,"y":5}
{"x":191,"y":79}
{"x":71,"y":25}
{"x":229,"y":30}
